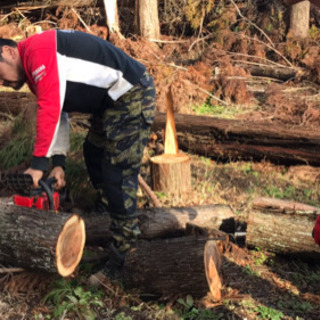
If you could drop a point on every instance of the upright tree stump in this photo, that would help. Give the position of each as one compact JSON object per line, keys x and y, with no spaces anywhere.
{"x":40,"y":240}
{"x":170,"y":171}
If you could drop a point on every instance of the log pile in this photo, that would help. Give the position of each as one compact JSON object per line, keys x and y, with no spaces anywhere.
{"x":165,"y":222}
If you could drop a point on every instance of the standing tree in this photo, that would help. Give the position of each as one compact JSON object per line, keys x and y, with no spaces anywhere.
{"x":147,"y":18}
{"x":299,"y":18}
{"x":111,"y":9}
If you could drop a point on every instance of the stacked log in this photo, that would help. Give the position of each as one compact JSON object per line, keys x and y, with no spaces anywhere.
{"x":41,"y":240}
{"x":283,"y":227}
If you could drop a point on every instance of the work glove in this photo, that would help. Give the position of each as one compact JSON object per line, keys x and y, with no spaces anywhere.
{"x":316,"y":231}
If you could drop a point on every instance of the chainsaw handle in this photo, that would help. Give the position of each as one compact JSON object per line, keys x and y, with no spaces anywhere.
{"x":48,"y":188}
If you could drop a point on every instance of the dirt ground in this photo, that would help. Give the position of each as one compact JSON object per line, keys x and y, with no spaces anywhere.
{"x":209,"y":77}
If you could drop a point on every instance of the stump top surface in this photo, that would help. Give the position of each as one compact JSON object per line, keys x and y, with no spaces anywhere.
{"x":170,"y":158}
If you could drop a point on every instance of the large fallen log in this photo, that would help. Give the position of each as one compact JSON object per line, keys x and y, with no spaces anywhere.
{"x":283,"y":227}
{"x":40,"y":240}
{"x":165,"y":222}
{"x":244,"y":140}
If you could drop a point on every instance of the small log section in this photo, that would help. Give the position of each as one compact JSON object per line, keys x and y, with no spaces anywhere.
{"x":227,"y":139}
{"x":283,"y":227}
{"x":171,"y":171}
{"x":40,"y":240}
{"x":173,"y":267}
{"x":165,"y":222}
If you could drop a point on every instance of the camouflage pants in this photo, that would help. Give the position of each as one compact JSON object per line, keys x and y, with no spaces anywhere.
{"x":113,"y":152}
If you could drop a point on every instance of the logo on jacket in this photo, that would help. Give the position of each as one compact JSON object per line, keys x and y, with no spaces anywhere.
{"x":39,"y":73}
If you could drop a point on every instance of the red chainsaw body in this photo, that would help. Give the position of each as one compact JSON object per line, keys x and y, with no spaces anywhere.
{"x":39,"y":201}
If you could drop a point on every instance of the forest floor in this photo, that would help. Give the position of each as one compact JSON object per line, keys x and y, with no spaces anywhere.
{"x":257,"y":284}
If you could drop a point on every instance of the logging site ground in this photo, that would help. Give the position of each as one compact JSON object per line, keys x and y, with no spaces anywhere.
{"x":223,"y":60}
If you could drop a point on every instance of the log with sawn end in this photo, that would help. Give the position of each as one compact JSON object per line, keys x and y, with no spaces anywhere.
{"x":283,"y":227}
{"x":227,"y":139}
{"x":165,"y":222}
{"x":40,"y":240}
{"x":175,"y":267}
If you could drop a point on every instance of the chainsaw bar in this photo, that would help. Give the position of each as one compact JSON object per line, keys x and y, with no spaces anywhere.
{"x":19,"y":182}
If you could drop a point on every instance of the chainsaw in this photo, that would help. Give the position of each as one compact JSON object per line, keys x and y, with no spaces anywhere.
{"x":44,"y":197}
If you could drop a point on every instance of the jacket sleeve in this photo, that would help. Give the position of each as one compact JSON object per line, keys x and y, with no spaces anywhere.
{"x":49,"y":87}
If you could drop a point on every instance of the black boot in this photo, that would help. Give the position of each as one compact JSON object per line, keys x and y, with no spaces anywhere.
{"x":114,"y":266}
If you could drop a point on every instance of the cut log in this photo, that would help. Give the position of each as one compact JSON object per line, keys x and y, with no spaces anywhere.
{"x":40,"y":240}
{"x":165,"y":222}
{"x":171,"y":174}
{"x":225,"y":139}
{"x":174,"y":267}
{"x":281,"y":73}
{"x":283,"y":227}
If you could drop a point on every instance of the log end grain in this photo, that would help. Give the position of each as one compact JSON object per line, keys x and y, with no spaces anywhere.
{"x":70,"y":245}
{"x":212,"y":265}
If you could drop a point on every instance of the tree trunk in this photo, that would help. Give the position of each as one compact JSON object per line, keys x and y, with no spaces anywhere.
{"x":299,"y":19}
{"x":165,"y":222}
{"x":111,"y":9}
{"x":236,"y":139}
{"x":175,"y":267}
{"x":283,"y":227}
{"x":40,"y":240}
{"x":147,"y":18}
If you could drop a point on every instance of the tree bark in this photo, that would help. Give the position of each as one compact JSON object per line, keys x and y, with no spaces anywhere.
{"x":165,"y":222}
{"x":175,"y":267}
{"x":40,"y":240}
{"x":244,"y":140}
{"x":299,"y":19}
{"x":283,"y":227}
{"x":147,"y":18}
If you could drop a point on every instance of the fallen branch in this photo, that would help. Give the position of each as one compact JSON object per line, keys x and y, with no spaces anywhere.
{"x":149,"y":192}
{"x":11,"y":270}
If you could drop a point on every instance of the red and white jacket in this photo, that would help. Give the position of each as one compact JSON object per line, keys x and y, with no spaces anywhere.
{"x":72,"y":71}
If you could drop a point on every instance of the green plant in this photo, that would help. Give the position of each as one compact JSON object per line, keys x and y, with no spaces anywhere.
{"x":191,"y":312}
{"x":268,"y":313}
{"x":122,"y":316}
{"x":70,"y":297}
{"x":260,"y":257}
{"x":249,"y":271}
{"x":209,"y":109}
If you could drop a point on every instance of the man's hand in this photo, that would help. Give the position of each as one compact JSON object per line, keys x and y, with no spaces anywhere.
{"x":316,"y":231}
{"x":58,"y":173}
{"x":36,"y":176}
